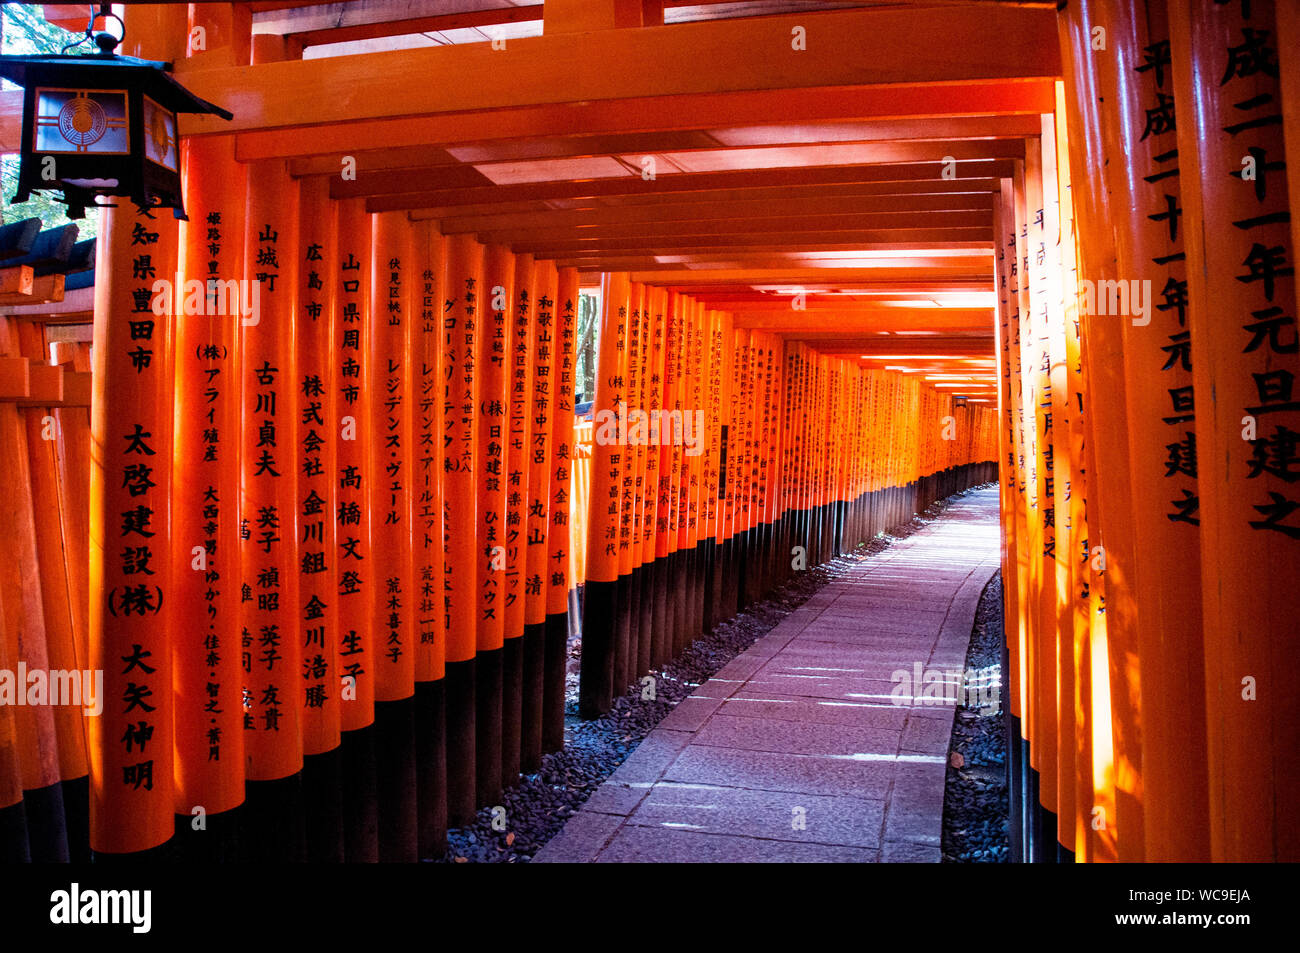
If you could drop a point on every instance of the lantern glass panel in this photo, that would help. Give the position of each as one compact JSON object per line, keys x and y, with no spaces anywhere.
{"x":160,"y":135}
{"x":81,"y":121}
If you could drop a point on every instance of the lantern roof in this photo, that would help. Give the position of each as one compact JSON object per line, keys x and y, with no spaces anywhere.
{"x":151,"y":77}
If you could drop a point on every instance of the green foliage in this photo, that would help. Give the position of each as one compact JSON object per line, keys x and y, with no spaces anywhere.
{"x":588,"y":329}
{"x":26,"y":31}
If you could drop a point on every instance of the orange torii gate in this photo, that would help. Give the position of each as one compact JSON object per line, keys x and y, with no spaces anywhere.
{"x":712,"y":416}
{"x":328,"y":581}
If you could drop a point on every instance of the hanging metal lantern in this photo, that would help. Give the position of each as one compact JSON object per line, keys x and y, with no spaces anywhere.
{"x":101,"y":124}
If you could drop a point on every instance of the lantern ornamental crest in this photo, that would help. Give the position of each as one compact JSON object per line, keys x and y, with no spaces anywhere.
{"x":101,"y":124}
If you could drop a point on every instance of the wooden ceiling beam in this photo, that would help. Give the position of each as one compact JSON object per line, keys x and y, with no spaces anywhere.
{"x":417,"y":201}
{"x":721,"y":283}
{"x":850,"y":47}
{"x":759,"y":229}
{"x":557,"y":247}
{"x":649,"y":114}
{"x":867,"y":322}
{"x":684,"y":141}
{"x":738,"y":212}
{"x":426,"y":24}
{"x":398,"y":167}
{"x":903,"y":192}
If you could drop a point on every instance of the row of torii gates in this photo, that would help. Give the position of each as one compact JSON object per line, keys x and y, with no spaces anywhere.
{"x":328,"y":579}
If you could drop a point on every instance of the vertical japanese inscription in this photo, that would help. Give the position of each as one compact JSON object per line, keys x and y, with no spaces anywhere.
{"x":352,"y":378}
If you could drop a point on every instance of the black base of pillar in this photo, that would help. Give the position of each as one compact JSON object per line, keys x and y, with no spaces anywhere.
{"x":163,"y":854}
{"x":661,"y":634}
{"x":645,"y":610}
{"x":765,"y":575}
{"x":622,"y":634}
{"x":274,"y":828}
{"x":322,"y":780}
{"x":555,"y":666}
{"x":1045,"y":849}
{"x":690,"y":579}
{"x":462,"y":800}
{"x":76,"y":806}
{"x":727,"y":584}
{"x":596,"y":678}
{"x":677,"y":601}
{"x":431,"y":766}
{"x":634,"y":599}
{"x":487,"y":726}
{"x":1033,"y":813}
{"x":219,"y":841}
{"x":13,"y":835}
{"x":1015,"y":797}
{"x":395,"y":776}
{"x":360,"y":797}
{"x":512,"y":709}
{"x":532,"y":718}
{"x":698,"y":593}
{"x":708,"y":567}
{"x":47,"y":832}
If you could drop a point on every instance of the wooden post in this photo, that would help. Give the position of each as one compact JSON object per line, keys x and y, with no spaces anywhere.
{"x":559,"y":537}
{"x":1244,"y":362}
{"x":208,"y":675}
{"x":522,"y":748}
{"x":428,"y":407}
{"x":538,"y":544}
{"x":352,"y":377}
{"x":522,"y":431}
{"x":316,"y":404}
{"x":461,"y":323}
{"x":389,"y":355}
{"x":596,"y":681}
{"x":493,"y":421}
{"x":271,"y":649}
{"x":1110,"y":497}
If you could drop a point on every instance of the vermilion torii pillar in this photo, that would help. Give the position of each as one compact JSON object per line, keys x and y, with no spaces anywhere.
{"x":131,"y":781}
{"x":1110,"y":501}
{"x":559,"y":536}
{"x":271,"y":646}
{"x":490,"y":560}
{"x":389,"y":499}
{"x":209,"y":676}
{"x":518,"y":497}
{"x":316,"y":460}
{"x":131,"y":795}
{"x":462,"y":311}
{"x":516,"y":710}
{"x":428,"y":407}
{"x":540,"y":426}
{"x":1244,"y":360}
{"x":599,"y":625}
{"x":1161,"y":424}
{"x":352,"y":378}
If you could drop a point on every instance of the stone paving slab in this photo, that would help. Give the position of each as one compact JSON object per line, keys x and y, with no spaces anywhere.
{"x":778,"y":771}
{"x":810,"y":747}
{"x":771,"y":815}
{"x":795,"y":737}
{"x":656,"y":845}
{"x":819,"y":710}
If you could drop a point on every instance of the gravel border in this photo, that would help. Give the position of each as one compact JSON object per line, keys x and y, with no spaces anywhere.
{"x":537,"y":808}
{"x":975,"y":806}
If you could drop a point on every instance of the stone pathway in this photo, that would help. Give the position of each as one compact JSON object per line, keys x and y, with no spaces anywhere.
{"x":797,"y":749}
